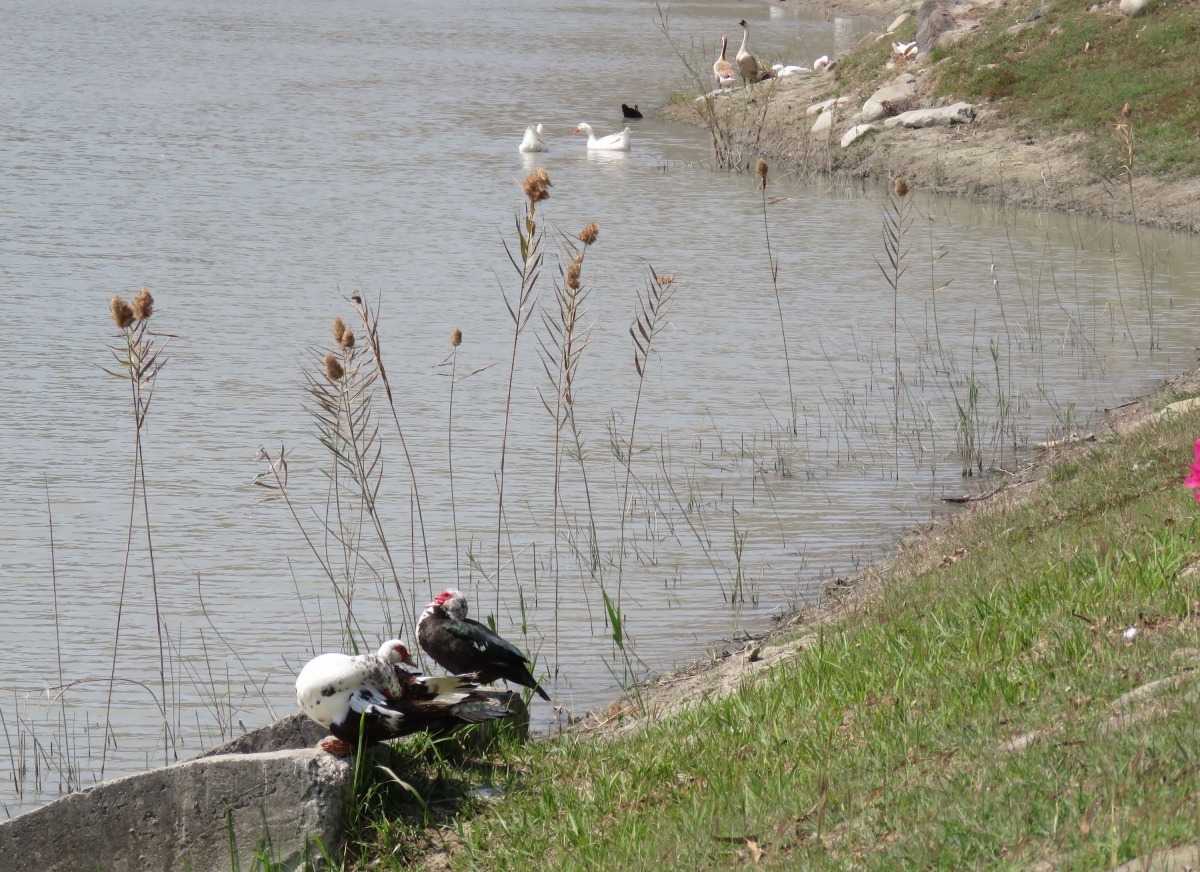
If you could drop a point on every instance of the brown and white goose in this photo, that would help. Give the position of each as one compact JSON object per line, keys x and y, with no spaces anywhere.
{"x":723,"y":69}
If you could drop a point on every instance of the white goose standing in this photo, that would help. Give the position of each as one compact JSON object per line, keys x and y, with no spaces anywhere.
{"x":534,"y":140}
{"x":612,"y":142}
{"x":747,"y":63}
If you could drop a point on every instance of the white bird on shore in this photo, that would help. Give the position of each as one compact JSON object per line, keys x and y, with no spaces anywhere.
{"x":723,"y":69}
{"x":780,"y":71}
{"x":821,"y":63}
{"x":904,"y":49}
{"x":534,"y":140}
{"x":747,"y":63}
{"x":612,"y":142}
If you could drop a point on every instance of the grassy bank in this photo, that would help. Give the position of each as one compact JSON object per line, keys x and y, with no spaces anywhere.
{"x":984,"y":706}
{"x":1049,"y":83}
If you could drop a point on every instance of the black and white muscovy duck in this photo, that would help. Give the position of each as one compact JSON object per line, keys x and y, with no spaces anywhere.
{"x":339,"y":692}
{"x":466,"y":647}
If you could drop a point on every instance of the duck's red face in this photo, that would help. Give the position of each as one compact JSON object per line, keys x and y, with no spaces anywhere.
{"x":405,"y":657}
{"x":440,"y":599}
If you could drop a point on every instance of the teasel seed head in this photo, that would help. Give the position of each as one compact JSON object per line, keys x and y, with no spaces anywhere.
{"x":588,"y":234}
{"x":347,"y":340}
{"x":901,"y":187}
{"x":122,"y":312}
{"x":456,"y":337}
{"x":333,"y":368}
{"x":573,"y":273}
{"x":761,"y":169}
{"x":143,"y":305}
{"x":339,"y":330}
{"x":537,"y":185}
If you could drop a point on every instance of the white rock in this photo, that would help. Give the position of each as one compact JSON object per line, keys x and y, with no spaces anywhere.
{"x":902,"y":90}
{"x":900,"y":19}
{"x":824,"y":122}
{"x":858,"y":130}
{"x":826,"y":104}
{"x":1134,"y":8}
{"x":957,"y":113}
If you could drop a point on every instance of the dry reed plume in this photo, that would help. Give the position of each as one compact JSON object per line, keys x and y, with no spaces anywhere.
{"x":140,"y":359}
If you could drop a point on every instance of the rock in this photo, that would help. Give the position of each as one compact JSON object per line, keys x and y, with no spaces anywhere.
{"x":898,"y":23}
{"x":951,"y":38}
{"x":933,"y":19}
{"x":292,"y":732}
{"x":889,"y":98}
{"x":1134,"y":8}
{"x":856,"y":132}
{"x":826,"y":104}
{"x":957,"y":113}
{"x":187,"y":816}
{"x":1040,"y":12}
{"x":1185,"y":858}
{"x":823,"y":123}
{"x":869,"y":38}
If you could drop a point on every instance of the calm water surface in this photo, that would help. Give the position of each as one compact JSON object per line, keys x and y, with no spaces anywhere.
{"x":254,"y":163}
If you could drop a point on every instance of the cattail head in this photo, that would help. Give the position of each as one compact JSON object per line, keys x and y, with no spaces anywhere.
{"x":573,"y":273}
{"x":333,"y":368}
{"x":143,"y":305}
{"x":122,"y":312}
{"x":901,"y":187}
{"x":456,"y":337}
{"x":339,"y":330}
{"x":537,"y":185}
{"x":588,"y":234}
{"x":761,"y":169}
{"x":347,"y":340}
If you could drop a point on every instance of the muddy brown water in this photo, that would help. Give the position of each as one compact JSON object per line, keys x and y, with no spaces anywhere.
{"x":253,"y":166}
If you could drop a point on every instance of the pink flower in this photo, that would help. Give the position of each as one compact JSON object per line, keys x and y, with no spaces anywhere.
{"x":1193,"y":480}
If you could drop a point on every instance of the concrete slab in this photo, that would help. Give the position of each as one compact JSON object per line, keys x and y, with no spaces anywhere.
{"x":195,"y":815}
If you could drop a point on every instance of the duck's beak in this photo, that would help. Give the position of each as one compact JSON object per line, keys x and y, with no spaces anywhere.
{"x":576,"y":129}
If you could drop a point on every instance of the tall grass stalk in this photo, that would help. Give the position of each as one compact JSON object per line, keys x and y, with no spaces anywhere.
{"x":140,"y":359}
{"x":1125,"y":130}
{"x":773,"y":264}
{"x":566,"y":337}
{"x":648,"y":323}
{"x":370,"y":324}
{"x":896,"y":218}
{"x":521,"y":306}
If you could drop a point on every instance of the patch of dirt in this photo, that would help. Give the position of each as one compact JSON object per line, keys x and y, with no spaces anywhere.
{"x":854,"y":597}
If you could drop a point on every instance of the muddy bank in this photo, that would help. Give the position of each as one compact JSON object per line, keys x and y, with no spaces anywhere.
{"x":1006,"y":161}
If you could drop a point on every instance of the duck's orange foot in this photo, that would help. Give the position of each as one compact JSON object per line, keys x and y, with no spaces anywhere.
{"x":336,"y":747}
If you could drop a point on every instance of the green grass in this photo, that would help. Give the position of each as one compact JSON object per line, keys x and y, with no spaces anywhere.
{"x":1073,"y":70}
{"x":880,"y":746}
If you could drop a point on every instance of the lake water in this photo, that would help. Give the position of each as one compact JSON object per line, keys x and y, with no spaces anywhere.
{"x":254,"y":164}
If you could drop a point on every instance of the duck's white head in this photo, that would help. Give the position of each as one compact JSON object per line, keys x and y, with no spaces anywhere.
{"x":583,"y":127}
{"x":395,"y":651}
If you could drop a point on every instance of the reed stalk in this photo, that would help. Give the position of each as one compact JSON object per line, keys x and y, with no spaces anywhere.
{"x":140,"y":359}
{"x":773,"y":264}
{"x":521,"y":306}
{"x":896,"y":219}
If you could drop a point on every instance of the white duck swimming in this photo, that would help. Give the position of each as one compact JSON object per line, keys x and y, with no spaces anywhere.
{"x":534,"y":140}
{"x":375,"y":694}
{"x":612,"y":142}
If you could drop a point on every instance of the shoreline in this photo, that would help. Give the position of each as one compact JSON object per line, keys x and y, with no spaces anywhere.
{"x":1005,"y":161}
{"x":915,"y":551}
